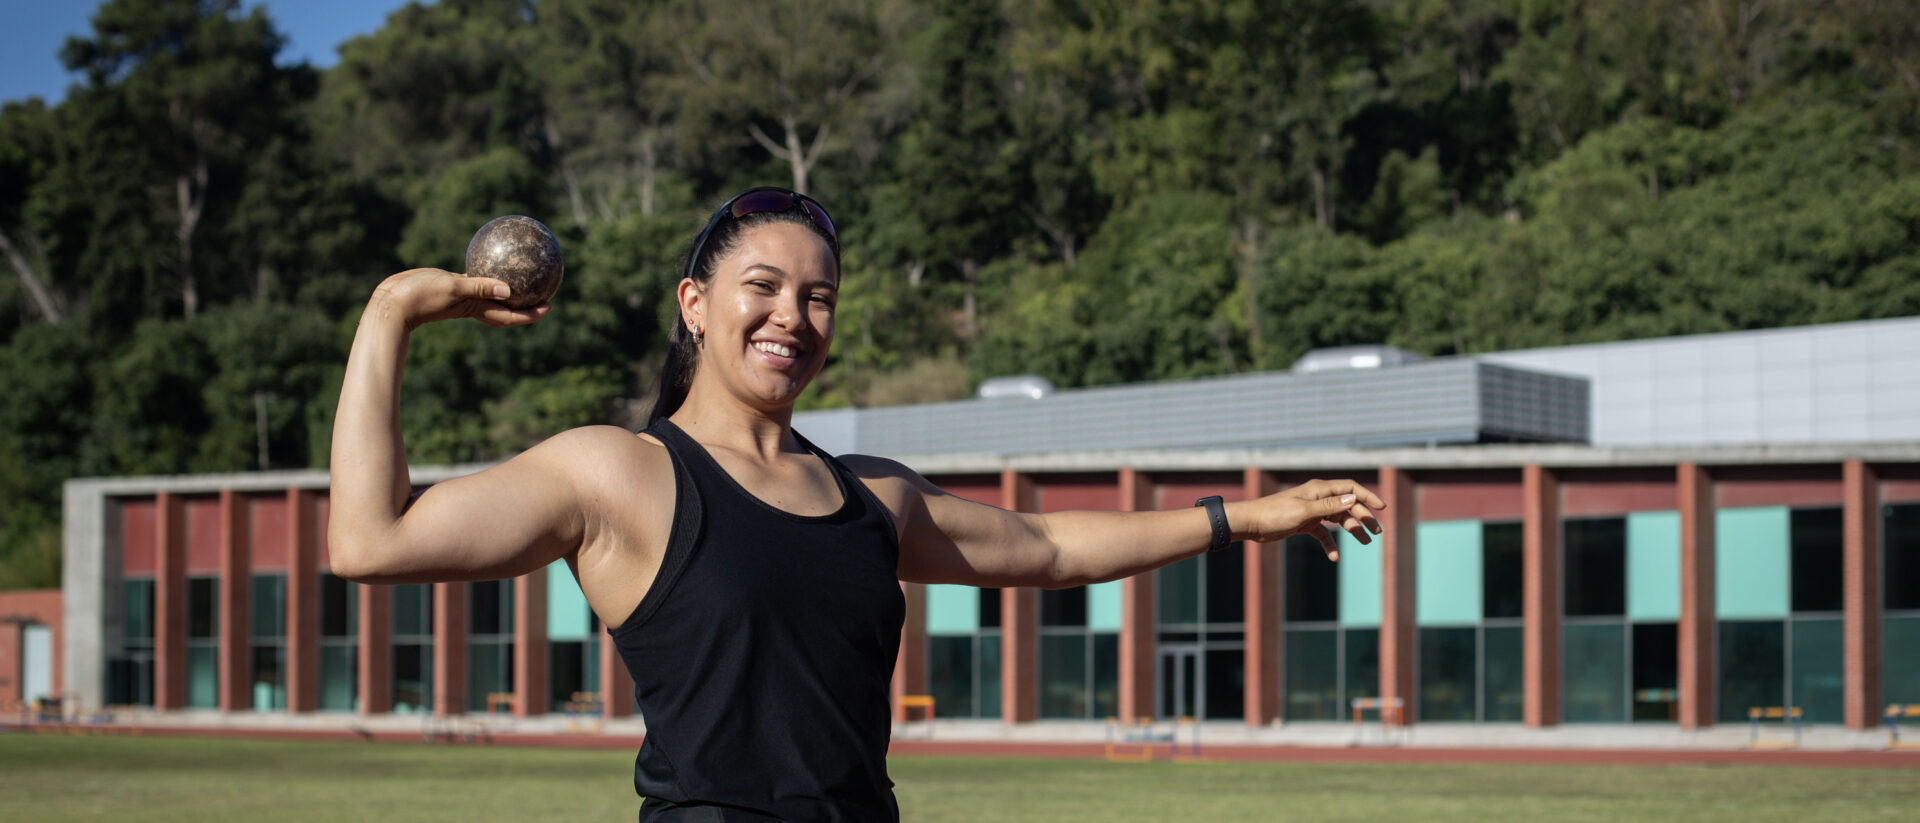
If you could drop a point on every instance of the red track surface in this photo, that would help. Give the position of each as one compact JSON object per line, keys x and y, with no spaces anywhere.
{"x":1899,"y":759}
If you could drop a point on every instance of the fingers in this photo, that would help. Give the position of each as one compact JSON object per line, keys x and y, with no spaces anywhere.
{"x":500,"y":317}
{"x":1327,"y":543}
{"x":482,"y":288}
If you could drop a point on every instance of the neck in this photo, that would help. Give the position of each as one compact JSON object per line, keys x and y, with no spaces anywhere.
{"x":716,"y":420}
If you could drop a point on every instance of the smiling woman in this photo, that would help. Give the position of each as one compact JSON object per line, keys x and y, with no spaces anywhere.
{"x":750,"y":581}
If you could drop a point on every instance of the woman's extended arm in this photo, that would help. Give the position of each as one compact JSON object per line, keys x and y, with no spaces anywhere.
{"x":945,"y":539}
{"x":504,"y":521}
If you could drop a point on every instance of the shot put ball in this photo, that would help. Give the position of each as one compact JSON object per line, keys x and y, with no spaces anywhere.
{"x":520,"y":251}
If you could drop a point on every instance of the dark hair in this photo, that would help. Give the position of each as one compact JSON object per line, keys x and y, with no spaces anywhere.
{"x":683,"y":349}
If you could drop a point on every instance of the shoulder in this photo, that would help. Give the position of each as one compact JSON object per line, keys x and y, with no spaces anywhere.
{"x":884,"y":472}
{"x":595,"y":455}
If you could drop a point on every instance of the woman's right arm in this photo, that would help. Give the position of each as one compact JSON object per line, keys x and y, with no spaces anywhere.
{"x":507,"y":520}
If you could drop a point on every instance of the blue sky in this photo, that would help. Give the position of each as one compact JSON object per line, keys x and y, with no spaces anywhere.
{"x":32,"y":31}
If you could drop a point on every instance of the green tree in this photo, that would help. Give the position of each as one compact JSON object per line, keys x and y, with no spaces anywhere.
{"x":197,"y":81}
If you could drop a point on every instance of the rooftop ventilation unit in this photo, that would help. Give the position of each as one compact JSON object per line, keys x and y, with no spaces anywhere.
{"x":1341,"y":358}
{"x":1030,"y":386}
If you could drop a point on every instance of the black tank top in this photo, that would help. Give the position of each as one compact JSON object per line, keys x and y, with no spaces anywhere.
{"x":762,"y":656}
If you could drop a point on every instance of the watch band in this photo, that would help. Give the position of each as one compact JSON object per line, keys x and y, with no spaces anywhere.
{"x":1217,"y":516}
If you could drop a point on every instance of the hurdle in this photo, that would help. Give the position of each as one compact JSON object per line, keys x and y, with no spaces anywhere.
{"x":909,"y":702}
{"x":1136,"y":741}
{"x":1756,"y":714}
{"x":1894,"y":714}
{"x":1192,"y":725}
{"x":583,"y":713}
{"x":1391,"y":713}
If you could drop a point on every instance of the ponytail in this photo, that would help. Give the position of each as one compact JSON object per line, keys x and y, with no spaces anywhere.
{"x":683,"y":354}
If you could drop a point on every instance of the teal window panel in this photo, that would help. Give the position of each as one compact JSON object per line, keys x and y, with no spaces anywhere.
{"x":1750,"y":563}
{"x":1653,"y":566}
{"x":568,"y":617}
{"x":1359,"y":582}
{"x":1103,"y":606}
{"x":952,"y":609}
{"x":1447,"y":573}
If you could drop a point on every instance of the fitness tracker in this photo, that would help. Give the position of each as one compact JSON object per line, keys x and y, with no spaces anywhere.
{"x":1217,"y":516}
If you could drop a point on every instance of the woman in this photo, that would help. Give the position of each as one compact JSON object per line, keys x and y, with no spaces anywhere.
{"x":748,"y":579}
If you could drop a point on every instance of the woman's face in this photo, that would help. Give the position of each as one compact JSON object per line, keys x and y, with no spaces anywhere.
{"x":767,"y":314}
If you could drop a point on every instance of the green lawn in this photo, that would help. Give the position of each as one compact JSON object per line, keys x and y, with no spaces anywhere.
{"x":49,"y":778}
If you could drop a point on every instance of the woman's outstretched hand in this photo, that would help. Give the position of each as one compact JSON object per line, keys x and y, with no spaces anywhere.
{"x":419,"y":296}
{"x":1308,"y":509}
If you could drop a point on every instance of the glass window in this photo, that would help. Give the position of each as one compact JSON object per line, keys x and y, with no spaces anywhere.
{"x":1313,"y":674}
{"x":413,"y":610}
{"x":1178,"y":590}
{"x":1501,"y":560}
{"x":989,"y":670}
{"x":1226,"y":573}
{"x":989,"y":608}
{"x":1502,"y":675}
{"x":1752,"y":657}
{"x":567,"y":672}
{"x":1901,"y":574}
{"x":1226,"y":684}
{"x":490,"y":607}
{"x":1361,"y":663}
{"x":137,"y":611}
{"x":1063,"y":676}
{"x":1312,"y":582}
{"x":412,"y":677}
{"x":1899,"y":664}
{"x":1596,"y":567}
{"x":269,"y":605}
{"x":203,"y":680}
{"x":1448,"y":677}
{"x":1656,"y":672}
{"x":269,"y":687}
{"x":1063,"y":607}
{"x":339,"y":677}
{"x":489,"y":672}
{"x":950,"y":674}
{"x":339,"y":607}
{"x":1106,"y":674}
{"x":203,"y":608}
{"x":1594,"y":672}
{"x":1819,"y":669}
{"x":1816,"y":560}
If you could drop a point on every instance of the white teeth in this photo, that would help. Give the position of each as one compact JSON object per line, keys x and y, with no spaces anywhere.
{"x":774,"y":349}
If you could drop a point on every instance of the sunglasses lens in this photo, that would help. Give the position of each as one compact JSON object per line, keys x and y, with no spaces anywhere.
{"x":821,"y":219}
{"x":760,"y":201}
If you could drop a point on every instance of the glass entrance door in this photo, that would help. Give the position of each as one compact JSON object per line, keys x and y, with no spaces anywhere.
{"x":1179,"y":682}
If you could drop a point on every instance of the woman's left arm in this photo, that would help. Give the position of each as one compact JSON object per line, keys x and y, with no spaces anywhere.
{"x":946,"y":539}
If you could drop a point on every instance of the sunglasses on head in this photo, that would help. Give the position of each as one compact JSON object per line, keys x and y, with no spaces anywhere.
{"x":759,"y":200}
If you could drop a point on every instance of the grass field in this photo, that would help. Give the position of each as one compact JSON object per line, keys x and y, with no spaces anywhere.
{"x":54,"y":778}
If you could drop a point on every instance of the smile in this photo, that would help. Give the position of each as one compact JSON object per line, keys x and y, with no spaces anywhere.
{"x":774,"y":349}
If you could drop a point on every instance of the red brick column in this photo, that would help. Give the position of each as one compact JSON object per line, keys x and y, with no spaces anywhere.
{"x":1019,"y":621}
{"x":531,"y":672}
{"x":910,"y":667}
{"x":236,"y":619}
{"x":1137,"y":641}
{"x":1860,"y":563}
{"x":376,"y":649}
{"x":1397,"y":567}
{"x":616,"y":683}
{"x":449,"y":648}
{"x":1696,"y":597}
{"x":1262,"y":615}
{"x":303,"y":603}
{"x":170,"y":602}
{"x":1540,"y":595}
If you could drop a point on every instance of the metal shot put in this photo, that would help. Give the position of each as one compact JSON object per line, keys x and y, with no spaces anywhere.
{"x":521,"y":252}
